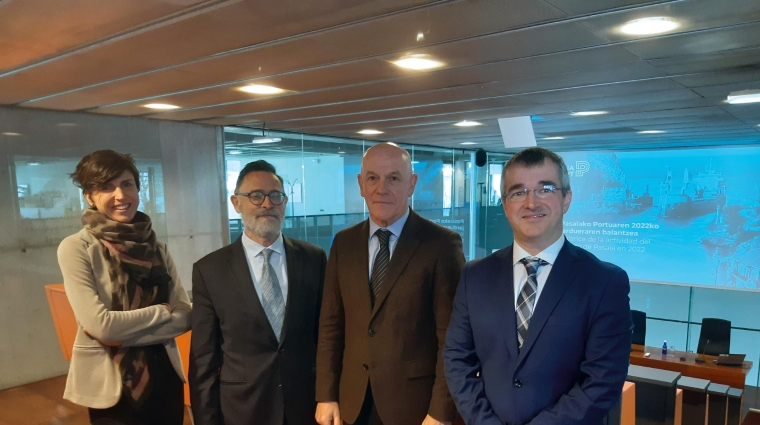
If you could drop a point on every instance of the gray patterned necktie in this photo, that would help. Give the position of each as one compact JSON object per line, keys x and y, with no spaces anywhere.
{"x":527,"y":298}
{"x":380,"y":266}
{"x":273,"y":302}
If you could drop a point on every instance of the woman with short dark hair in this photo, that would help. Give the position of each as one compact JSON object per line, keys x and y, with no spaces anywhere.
{"x":128,"y":300}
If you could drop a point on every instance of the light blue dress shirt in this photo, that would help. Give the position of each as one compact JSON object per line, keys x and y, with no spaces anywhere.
{"x":256,"y":263}
{"x":374,"y":243}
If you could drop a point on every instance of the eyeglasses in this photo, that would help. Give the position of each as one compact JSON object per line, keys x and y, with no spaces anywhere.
{"x":541,"y":193}
{"x":257,"y":197}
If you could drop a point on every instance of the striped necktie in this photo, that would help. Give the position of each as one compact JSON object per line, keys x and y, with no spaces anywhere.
{"x":527,"y":298}
{"x":273,"y":301}
{"x":380,"y":266}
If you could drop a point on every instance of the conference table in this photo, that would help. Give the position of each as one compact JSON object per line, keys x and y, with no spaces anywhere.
{"x":733,"y":376}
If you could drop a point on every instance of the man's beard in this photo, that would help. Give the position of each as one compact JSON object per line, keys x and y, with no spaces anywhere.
{"x":264,"y":227}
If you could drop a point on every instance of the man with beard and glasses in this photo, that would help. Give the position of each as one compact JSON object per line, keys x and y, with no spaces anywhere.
{"x":255,"y":318}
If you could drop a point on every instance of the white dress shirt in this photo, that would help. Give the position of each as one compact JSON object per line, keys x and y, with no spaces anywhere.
{"x":521,"y":275}
{"x":276,"y":259}
{"x":374,"y":242}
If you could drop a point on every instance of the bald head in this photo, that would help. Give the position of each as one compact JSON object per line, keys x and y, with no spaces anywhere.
{"x":388,"y":151}
{"x":386,"y":182}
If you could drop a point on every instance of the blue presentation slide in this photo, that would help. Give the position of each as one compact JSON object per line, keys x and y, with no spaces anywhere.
{"x":677,"y":216}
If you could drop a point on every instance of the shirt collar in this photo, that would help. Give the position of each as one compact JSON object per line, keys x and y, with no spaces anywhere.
{"x":255,"y":248}
{"x":395,"y":228}
{"x":549,"y":254}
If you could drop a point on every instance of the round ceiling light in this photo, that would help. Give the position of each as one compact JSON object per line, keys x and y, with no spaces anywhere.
{"x":649,"y":26}
{"x":466,"y":123}
{"x":161,"y":106}
{"x":418,"y":62}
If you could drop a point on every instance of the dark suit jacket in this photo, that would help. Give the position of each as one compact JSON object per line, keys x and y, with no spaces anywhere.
{"x":574,"y":361}
{"x":239,"y":372}
{"x":397,"y":345}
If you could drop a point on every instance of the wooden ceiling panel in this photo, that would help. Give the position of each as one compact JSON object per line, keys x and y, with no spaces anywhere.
{"x":331,"y":45}
{"x":603,"y":91}
{"x":231,"y":25}
{"x":417,"y":83}
{"x":691,"y":16}
{"x":502,"y":58}
{"x":32,"y":30}
{"x":681,"y":65}
{"x":699,"y":43}
{"x":409,"y":103}
{"x":307,"y":54}
{"x":581,"y":7}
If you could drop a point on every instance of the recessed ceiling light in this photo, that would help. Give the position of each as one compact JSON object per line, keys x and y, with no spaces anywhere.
{"x":744,"y":96}
{"x":341,"y":152}
{"x":466,"y":123}
{"x":264,"y":140}
{"x":651,"y":132}
{"x":34,"y":163}
{"x":649,"y":26}
{"x":588,"y":113}
{"x":468,"y":143}
{"x":418,"y":62}
{"x":235,"y":152}
{"x":369,"y":131}
{"x":161,"y":106}
{"x":420,"y":36}
{"x":261,"y":89}
{"x":554,"y":138}
{"x":10,"y":133}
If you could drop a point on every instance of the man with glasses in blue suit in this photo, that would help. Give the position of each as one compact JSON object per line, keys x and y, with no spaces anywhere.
{"x":540,"y":333}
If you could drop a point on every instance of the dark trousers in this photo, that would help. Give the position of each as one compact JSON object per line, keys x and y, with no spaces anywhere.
{"x":165,"y":404}
{"x":368,"y":414}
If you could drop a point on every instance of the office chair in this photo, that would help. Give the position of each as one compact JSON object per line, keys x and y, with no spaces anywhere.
{"x":714,"y":337}
{"x":639,"y":327}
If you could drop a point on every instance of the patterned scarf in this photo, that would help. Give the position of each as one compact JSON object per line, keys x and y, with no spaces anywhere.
{"x":139,"y":279}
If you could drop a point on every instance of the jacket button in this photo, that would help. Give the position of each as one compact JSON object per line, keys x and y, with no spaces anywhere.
{"x":371,"y":332}
{"x":365,"y":367}
{"x":517,"y":383}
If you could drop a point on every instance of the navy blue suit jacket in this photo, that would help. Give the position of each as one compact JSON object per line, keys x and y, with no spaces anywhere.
{"x":574,"y":361}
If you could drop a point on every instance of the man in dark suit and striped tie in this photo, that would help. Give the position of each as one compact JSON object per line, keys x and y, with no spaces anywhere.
{"x":541,"y":330}
{"x":388,"y":290}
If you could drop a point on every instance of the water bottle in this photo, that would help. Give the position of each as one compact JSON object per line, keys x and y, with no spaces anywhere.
{"x":665,"y":348}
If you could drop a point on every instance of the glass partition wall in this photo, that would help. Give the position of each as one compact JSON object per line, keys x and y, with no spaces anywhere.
{"x":321,"y":184}
{"x":320,"y":179}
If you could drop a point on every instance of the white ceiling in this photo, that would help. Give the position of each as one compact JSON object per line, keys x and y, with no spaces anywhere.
{"x":503,"y":58}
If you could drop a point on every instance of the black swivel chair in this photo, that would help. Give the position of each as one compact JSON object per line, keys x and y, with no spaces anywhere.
{"x":639,"y":327}
{"x":715,"y":337}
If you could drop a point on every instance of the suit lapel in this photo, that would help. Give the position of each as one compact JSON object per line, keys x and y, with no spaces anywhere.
{"x":357,"y":289}
{"x":503,"y":292}
{"x":295,"y":280}
{"x":561,"y":277}
{"x":241,"y":274}
{"x":407,"y":243}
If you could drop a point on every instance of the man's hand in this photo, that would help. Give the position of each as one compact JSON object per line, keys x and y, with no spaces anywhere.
{"x":328,"y":413}
{"x":429,"y":420}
